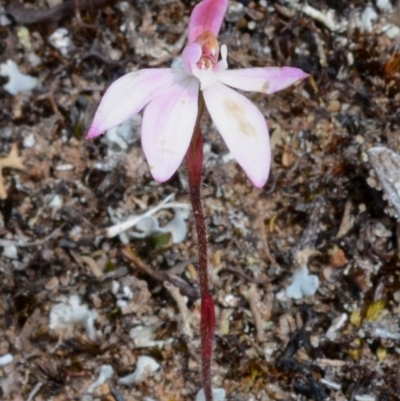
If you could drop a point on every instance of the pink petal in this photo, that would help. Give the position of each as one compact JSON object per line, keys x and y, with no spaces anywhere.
{"x":129,"y":94}
{"x":264,"y":80}
{"x":243,"y":128}
{"x":190,"y":56}
{"x":167,"y":127}
{"x":207,"y":16}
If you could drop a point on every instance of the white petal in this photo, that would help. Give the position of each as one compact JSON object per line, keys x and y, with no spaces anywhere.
{"x":243,"y":128}
{"x":167,"y":128}
{"x":129,"y":94}
{"x":265,"y":80}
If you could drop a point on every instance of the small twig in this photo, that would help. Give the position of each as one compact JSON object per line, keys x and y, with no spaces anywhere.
{"x":100,"y":57}
{"x":119,"y":228}
{"x":264,"y":240}
{"x":310,"y":233}
{"x":347,"y":220}
{"x":6,"y":242}
{"x":333,"y":363}
{"x":77,"y":5}
{"x":326,"y":19}
{"x":115,"y":274}
{"x":398,"y":240}
{"x":180,"y":267}
{"x":185,"y":288}
{"x":116,"y":394}
{"x":35,"y":390}
{"x":182,"y":306}
{"x":50,"y":97}
{"x":253,"y":297}
{"x":321,"y":51}
{"x":286,"y":12}
{"x":272,"y":183}
{"x":247,"y":277}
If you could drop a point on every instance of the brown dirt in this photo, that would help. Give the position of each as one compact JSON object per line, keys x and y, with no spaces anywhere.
{"x":323,"y":197}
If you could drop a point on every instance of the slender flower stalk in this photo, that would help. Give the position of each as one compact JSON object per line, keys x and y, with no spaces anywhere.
{"x":174,"y":101}
{"x":194,"y":165}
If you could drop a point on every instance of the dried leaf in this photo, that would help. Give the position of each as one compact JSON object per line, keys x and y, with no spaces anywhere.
{"x":11,"y":161}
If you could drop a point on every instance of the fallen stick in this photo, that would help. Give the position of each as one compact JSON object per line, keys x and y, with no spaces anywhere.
{"x":159,"y":276}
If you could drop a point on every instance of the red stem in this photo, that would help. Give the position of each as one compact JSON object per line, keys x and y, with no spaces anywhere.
{"x":194,"y":164}
{"x":207,"y":327}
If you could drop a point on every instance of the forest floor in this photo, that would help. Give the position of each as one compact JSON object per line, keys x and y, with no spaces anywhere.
{"x":76,"y":301}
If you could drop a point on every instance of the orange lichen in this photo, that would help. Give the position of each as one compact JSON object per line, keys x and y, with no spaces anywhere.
{"x":392,"y":66}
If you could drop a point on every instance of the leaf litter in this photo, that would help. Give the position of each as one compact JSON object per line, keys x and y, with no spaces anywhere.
{"x":325,"y":193}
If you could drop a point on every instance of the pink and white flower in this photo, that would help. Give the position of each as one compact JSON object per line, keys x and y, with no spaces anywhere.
{"x":170,"y":100}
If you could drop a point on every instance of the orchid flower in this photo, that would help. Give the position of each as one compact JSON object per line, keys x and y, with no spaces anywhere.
{"x":170,"y":98}
{"x":173,"y":102}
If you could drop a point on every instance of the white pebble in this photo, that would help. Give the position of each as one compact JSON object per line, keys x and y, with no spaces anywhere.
{"x":121,"y":303}
{"x":384,"y":5}
{"x":6,"y":359}
{"x":364,"y":397}
{"x":56,"y":202}
{"x":145,"y":366}
{"x":66,"y":315}
{"x":252,"y":25}
{"x":303,"y":284}
{"x":231,"y":301}
{"x":115,"y":287}
{"x":142,"y":336}
{"x":106,"y":372}
{"x":392,"y":32}
{"x":17,"y":81}
{"x":4,"y":21}
{"x":29,"y":141}
{"x":227,"y":158}
{"x":65,"y":167}
{"x":60,"y":40}
{"x":115,"y":54}
{"x":266,"y":50}
{"x":235,"y":7}
{"x":331,"y":384}
{"x":127,"y":292}
{"x":218,"y":395}
{"x":34,"y":59}
{"x":10,"y":252}
{"x":336,"y":325}
{"x":368,"y":16}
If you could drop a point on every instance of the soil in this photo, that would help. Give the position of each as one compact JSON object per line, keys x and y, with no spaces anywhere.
{"x":325,"y":207}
